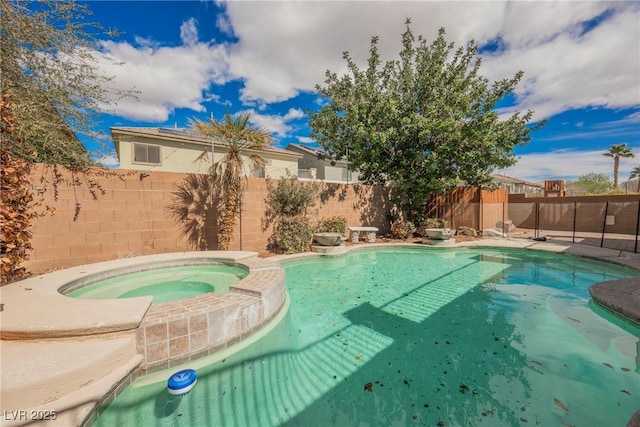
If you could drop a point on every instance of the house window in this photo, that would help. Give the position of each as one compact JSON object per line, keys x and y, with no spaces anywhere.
{"x":143,"y":153}
{"x":257,"y":171}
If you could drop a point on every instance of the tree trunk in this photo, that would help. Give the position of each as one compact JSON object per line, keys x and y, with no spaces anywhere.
{"x":229,"y":221}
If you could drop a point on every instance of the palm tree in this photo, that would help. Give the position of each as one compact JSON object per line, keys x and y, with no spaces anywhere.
{"x":635,"y":173}
{"x":240,"y":139}
{"x":616,"y":151}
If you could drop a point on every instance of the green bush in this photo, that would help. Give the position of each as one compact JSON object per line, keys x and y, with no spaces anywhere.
{"x":402,"y":229}
{"x":290,"y":197}
{"x":291,"y":235}
{"x":335,"y":224}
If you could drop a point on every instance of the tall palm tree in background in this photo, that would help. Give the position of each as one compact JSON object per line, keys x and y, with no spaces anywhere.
{"x":635,"y":173}
{"x":241,"y":140}
{"x":617,"y":151}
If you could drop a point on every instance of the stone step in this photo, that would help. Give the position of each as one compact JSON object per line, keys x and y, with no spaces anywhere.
{"x":61,"y":375}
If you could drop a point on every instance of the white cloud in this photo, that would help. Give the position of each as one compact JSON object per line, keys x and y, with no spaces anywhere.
{"x":569,"y":70}
{"x":279,"y":125}
{"x":223,"y":24}
{"x":109,"y":160}
{"x":567,"y":63}
{"x":189,"y":32}
{"x":305,"y":140}
{"x":288,"y":49}
{"x":166,"y":77}
{"x":569,"y":164}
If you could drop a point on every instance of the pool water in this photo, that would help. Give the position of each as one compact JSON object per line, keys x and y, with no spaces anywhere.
{"x":165,"y":283}
{"x":416,"y":336}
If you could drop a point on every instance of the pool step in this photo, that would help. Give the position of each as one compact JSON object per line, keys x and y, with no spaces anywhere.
{"x":65,"y":376}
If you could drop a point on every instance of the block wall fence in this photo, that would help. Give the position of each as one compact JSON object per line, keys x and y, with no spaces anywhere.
{"x":132,"y":218}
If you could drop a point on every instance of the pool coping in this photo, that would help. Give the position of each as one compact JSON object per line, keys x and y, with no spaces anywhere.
{"x":112,"y":386}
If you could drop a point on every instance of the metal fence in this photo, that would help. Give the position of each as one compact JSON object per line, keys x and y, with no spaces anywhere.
{"x":606,"y":224}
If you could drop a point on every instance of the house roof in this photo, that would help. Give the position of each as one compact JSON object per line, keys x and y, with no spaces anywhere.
{"x":504,"y":179}
{"x":304,"y":149}
{"x":311,"y":151}
{"x":182,"y":135}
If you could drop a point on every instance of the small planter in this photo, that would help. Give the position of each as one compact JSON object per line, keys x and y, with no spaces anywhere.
{"x":329,"y":239}
{"x":438,"y":233}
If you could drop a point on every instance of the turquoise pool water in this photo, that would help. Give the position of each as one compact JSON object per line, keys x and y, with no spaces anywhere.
{"x":165,"y":283}
{"x":420,"y":337}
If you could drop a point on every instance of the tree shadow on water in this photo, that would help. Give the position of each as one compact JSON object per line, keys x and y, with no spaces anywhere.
{"x":445,"y":369}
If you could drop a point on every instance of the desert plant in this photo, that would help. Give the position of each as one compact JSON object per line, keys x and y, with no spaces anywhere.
{"x":288,"y":203}
{"x":291,"y":235}
{"x":289,"y":198}
{"x":334,"y":224}
{"x":16,"y":214}
{"x":401,"y":229}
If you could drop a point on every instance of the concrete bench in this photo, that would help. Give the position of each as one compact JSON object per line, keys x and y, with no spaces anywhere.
{"x":355,"y":233}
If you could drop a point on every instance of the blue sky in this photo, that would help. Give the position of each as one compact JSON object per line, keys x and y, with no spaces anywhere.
{"x":191,"y":59}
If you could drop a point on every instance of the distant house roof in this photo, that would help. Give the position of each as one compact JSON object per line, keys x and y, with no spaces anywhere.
{"x":308,"y":150}
{"x":504,"y":179}
{"x":305,"y":149}
{"x":181,"y":135}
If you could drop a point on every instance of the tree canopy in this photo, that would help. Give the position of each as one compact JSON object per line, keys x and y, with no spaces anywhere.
{"x":594,"y":183}
{"x":426,"y":121}
{"x":51,"y":79}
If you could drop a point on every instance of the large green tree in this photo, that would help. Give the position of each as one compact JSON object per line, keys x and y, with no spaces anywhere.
{"x":425,"y":122}
{"x":242,"y":141}
{"x":618,"y":151}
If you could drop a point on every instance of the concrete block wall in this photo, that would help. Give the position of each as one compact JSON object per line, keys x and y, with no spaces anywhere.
{"x":132,"y":218}
{"x":129,"y":219}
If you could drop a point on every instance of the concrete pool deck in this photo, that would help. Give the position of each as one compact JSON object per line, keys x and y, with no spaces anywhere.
{"x":59,"y":359}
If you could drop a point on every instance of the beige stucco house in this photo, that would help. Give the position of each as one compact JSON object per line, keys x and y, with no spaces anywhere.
{"x":517,"y":186}
{"x":181,"y":150}
{"x":311,"y":166}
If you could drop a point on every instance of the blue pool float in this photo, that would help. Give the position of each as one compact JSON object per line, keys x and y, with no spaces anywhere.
{"x":182,"y":382}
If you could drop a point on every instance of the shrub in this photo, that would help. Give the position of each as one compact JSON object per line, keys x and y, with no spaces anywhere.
{"x":335,"y":224}
{"x":402,"y":229}
{"x":291,"y":235}
{"x":289,"y":197}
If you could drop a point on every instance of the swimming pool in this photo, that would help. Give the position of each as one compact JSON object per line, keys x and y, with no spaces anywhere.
{"x":163,"y":282}
{"x":413,"y":336}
